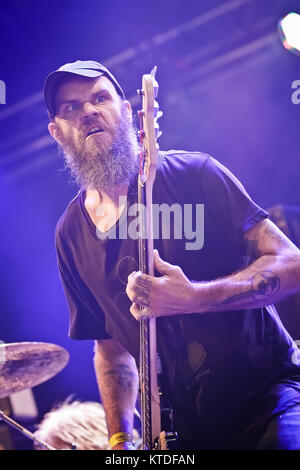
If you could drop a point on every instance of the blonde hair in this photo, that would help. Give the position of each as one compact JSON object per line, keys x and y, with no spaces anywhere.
{"x":78,"y":423}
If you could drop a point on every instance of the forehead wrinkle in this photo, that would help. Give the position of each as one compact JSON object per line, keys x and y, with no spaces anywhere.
{"x":82,"y":89}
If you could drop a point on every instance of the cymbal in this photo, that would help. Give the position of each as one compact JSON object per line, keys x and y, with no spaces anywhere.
{"x":25,"y":365}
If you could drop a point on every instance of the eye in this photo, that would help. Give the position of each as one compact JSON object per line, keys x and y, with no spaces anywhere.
{"x":99,"y":99}
{"x":71,"y":107}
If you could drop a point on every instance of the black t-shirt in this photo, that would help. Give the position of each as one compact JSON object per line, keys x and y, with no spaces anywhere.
{"x":213,"y":363}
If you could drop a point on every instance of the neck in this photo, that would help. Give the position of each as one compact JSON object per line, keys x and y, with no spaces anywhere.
{"x":107,"y":197}
{"x":114,"y":203}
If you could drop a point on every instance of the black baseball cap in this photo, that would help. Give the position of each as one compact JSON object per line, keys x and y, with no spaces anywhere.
{"x":84,"y":68}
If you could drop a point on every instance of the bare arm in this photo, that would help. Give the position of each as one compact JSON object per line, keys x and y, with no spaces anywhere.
{"x":117,"y":378}
{"x":273,"y":275}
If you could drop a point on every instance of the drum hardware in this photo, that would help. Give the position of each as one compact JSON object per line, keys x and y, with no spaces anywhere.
{"x":25,"y":365}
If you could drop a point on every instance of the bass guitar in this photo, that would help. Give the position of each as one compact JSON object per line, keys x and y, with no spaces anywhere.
{"x":156,"y":414}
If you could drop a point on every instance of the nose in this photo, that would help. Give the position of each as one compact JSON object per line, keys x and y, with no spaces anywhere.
{"x":88,"y":110}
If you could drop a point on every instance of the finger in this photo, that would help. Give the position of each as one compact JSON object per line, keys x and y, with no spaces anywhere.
{"x":135,"y":276}
{"x":144,"y":314}
{"x":131,"y":275}
{"x":141,"y":314}
{"x":134,"y":310}
{"x":160,"y":265}
{"x":130,"y":284}
{"x":139,"y":288}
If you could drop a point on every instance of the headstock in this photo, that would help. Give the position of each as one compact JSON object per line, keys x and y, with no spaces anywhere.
{"x":149,"y":128}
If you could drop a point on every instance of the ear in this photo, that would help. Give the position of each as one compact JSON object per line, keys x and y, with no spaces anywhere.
{"x":54,"y":131}
{"x":128,"y":107}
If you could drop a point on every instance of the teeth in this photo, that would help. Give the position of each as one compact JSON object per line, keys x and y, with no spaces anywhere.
{"x":94,"y":129}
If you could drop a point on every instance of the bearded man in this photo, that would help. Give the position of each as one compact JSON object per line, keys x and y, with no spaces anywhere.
{"x":230,"y":369}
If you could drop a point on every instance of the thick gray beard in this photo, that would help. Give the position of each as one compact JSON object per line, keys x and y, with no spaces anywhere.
{"x":104,"y":168}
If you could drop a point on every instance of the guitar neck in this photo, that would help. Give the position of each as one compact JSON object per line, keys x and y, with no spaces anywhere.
{"x":150,"y":403}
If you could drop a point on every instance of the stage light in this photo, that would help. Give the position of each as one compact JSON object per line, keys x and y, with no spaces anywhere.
{"x":289,"y":30}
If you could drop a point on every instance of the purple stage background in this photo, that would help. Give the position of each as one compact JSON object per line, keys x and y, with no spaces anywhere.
{"x":225,"y":89}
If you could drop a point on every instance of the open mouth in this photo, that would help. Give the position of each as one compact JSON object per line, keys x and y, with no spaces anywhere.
{"x":94,"y":130}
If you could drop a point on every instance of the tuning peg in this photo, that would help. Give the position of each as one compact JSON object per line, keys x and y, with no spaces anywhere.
{"x":140,"y":92}
{"x":141,"y":112}
{"x":141,"y":134}
{"x":157,"y":113}
{"x":157,"y":131}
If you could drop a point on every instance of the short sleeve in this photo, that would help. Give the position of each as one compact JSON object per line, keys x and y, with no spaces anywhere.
{"x":87,"y":319}
{"x":229,"y":205}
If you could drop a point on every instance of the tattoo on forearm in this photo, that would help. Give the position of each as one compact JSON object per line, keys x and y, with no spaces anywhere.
{"x":263,"y":286}
{"x":121,"y":376}
{"x":143,"y":291}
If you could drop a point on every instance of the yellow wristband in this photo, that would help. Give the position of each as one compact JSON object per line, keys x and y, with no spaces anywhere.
{"x":119,"y":437}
